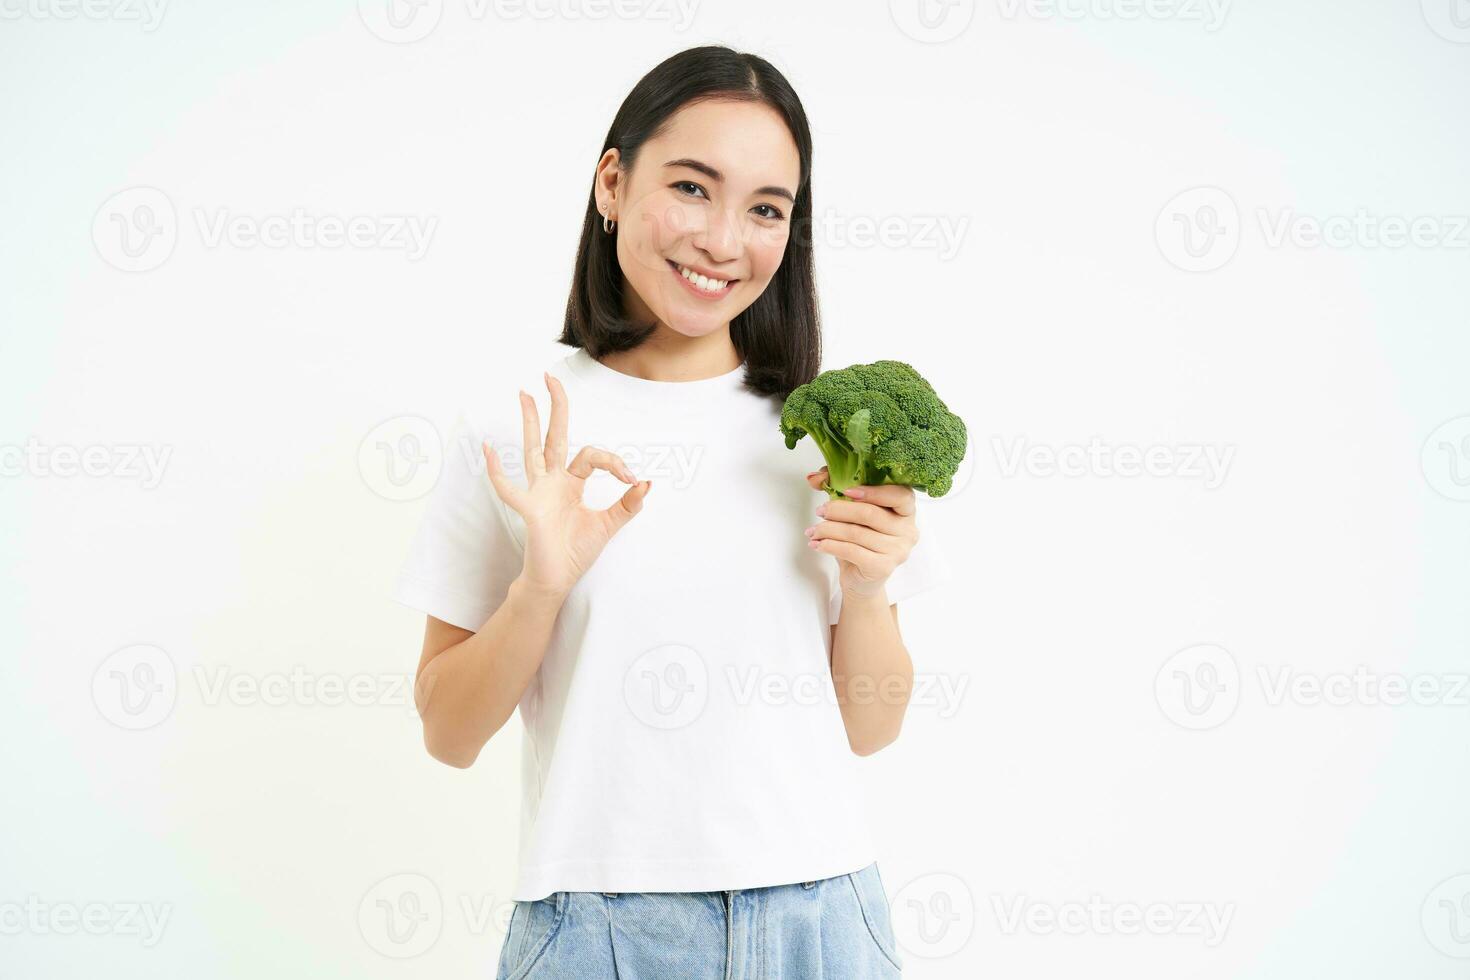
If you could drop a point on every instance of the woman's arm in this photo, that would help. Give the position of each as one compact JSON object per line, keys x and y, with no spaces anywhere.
{"x":468,"y":684}
{"x":871,"y":671}
{"x":870,"y":531}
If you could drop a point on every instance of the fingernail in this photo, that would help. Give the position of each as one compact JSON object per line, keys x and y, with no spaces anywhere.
{"x":821,"y":509}
{"x":810,"y":531}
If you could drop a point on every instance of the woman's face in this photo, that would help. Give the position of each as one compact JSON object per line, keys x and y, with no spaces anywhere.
{"x":713,"y":195}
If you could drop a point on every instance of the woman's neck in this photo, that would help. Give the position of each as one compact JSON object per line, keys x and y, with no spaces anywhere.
{"x":670,"y":356}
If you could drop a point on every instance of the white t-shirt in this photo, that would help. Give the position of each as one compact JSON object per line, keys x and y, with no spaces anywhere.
{"x":682,"y":732}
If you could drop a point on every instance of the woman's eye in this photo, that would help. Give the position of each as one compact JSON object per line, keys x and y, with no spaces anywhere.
{"x":690,"y":188}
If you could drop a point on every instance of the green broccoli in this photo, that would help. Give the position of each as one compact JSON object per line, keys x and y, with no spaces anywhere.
{"x":877,"y":423}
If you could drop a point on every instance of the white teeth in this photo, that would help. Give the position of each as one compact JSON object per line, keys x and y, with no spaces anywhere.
{"x":707,"y":284}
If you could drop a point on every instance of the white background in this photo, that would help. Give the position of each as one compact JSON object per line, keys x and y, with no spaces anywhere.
{"x":1067,"y":753}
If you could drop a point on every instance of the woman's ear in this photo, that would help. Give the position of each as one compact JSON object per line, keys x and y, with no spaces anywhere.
{"x":606,"y":181}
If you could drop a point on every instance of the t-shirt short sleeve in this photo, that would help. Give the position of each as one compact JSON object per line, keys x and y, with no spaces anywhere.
{"x":926,"y":567}
{"x":465,"y":554}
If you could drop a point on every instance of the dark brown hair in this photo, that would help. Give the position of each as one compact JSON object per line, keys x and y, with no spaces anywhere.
{"x":779,"y":335}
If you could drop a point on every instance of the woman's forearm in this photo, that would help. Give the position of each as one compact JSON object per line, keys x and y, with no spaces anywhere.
{"x":467,"y":692}
{"x":871,"y":671}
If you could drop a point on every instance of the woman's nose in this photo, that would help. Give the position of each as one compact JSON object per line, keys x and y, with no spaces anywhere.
{"x":720,"y":237}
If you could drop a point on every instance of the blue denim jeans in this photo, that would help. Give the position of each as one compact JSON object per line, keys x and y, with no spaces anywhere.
{"x":831,"y":929}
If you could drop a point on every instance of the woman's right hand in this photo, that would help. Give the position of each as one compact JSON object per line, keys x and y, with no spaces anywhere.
{"x":564,"y":537}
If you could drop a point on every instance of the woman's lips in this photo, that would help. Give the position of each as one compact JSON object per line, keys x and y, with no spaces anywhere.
{"x":701,"y":293}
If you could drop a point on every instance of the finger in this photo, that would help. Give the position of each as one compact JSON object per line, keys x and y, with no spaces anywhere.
{"x":894,"y":495}
{"x":629,"y":504}
{"x":859,"y":512}
{"x":590,"y":458}
{"x":857,"y":534}
{"x":817,"y":478}
{"x":506,"y":490}
{"x":531,"y":450}
{"x":873,"y":566}
{"x":556,"y":434}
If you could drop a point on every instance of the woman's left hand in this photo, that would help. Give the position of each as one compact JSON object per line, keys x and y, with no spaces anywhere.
{"x":869,"y":536}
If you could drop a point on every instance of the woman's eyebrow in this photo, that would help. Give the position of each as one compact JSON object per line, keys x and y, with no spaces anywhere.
{"x":715,"y":175}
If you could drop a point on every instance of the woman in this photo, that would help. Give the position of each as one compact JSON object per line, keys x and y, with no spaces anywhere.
{"x":690,"y":805}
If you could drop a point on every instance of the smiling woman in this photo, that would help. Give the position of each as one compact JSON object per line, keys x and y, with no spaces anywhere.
{"x":703,"y":178}
{"x":689,"y":808}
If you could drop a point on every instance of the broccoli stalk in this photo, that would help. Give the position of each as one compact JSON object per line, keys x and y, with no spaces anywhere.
{"x":877,"y":423}
{"x":846,"y":456}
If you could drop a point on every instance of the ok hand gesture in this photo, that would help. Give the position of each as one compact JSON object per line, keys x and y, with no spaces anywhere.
{"x":564,"y":537}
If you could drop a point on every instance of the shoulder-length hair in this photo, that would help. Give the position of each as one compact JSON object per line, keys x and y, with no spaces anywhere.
{"x":779,"y":335}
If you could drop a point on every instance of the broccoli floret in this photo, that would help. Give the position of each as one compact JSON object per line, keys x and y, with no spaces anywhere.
{"x":877,"y":423}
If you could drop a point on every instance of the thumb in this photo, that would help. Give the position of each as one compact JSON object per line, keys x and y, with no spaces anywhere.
{"x":817,"y":479}
{"x":630,"y":503}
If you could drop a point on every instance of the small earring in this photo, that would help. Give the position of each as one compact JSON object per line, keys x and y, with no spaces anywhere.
{"x":607,"y":225}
